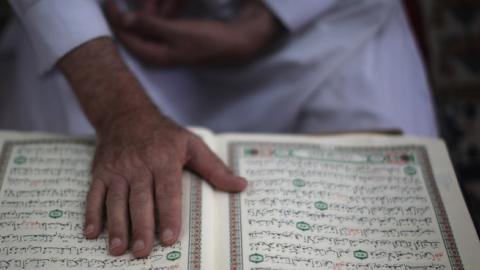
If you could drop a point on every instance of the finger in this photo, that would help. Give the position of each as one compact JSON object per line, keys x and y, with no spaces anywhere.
{"x":142,"y":215}
{"x":117,"y":217}
{"x":95,"y":209}
{"x":149,"y":52}
{"x":204,"y":162}
{"x":168,"y":195}
{"x":112,"y":13}
{"x":150,"y":25}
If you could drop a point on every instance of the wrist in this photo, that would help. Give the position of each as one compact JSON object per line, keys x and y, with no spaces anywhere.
{"x":103,"y":84}
{"x":128,"y":118}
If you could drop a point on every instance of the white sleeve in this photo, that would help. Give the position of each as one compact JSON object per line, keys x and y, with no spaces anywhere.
{"x":296,"y":14}
{"x":56,"y":27}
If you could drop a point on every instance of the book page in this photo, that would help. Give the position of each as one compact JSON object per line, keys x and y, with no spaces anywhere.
{"x":44,"y":181}
{"x":345,"y":203}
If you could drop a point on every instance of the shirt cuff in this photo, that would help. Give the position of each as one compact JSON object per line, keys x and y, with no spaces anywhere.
{"x":295,"y":14}
{"x":56,"y":27}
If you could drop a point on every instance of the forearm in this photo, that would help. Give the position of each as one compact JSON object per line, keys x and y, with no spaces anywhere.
{"x":103,"y":84}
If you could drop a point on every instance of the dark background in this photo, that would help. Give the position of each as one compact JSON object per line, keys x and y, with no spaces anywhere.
{"x":448,"y":34}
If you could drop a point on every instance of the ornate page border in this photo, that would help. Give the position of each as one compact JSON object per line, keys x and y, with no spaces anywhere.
{"x":407,"y":153}
{"x":195,"y":225}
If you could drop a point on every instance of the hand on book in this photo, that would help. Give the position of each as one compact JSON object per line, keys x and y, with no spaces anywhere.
{"x":162,"y":41}
{"x":137,"y":170}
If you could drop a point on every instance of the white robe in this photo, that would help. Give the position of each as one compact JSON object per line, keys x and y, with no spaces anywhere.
{"x":345,"y":65}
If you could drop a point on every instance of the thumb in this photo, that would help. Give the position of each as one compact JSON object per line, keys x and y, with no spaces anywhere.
{"x":204,"y":162}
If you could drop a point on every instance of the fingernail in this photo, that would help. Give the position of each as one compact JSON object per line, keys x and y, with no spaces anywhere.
{"x":128,"y":19}
{"x":243,"y":181}
{"x":138,"y":246}
{"x":115,"y":243}
{"x":167,"y":235}
{"x":89,"y":229}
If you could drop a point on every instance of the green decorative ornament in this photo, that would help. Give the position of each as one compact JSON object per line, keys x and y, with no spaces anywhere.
{"x":174,"y":255}
{"x":410,"y":170}
{"x":321,"y":205}
{"x":360,"y":254}
{"x":57,"y":213}
{"x":303,"y":226}
{"x":376,"y":159}
{"x":298,"y":182}
{"x":256,"y":258}
{"x":250,"y":152}
{"x":20,"y":160}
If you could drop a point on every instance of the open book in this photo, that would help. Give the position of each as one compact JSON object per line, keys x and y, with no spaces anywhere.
{"x":339,"y":202}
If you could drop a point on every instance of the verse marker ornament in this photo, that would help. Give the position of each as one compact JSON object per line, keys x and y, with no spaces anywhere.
{"x":303,"y":226}
{"x":57,"y":213}
{"x":298,"y":182}
{"x":360,"y":254}
{"x":321,"y":205}
{"x":256,"y":258}
{"x":20,"y":160}
{"x":173,"y":255}
{"x":410,"y":170}
{"x":250,"y":152}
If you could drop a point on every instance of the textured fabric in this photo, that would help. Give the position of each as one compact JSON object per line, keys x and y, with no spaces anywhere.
{"x":295,"y":15}
{"x":352,"y":67}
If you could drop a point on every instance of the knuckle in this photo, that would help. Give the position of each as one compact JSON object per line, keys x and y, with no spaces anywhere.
{"x":96,"y":186}
{"x":103,"y":174}
{"x":167,"y":164}
{"x":116,"y":197}
{"x":169,"y":205}
{"x":141,"y":183}
{"x":140,"y":198}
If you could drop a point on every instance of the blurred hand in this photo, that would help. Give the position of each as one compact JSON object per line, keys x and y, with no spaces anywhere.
{"x":160,"y":41}
{"x":162,"y":8}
